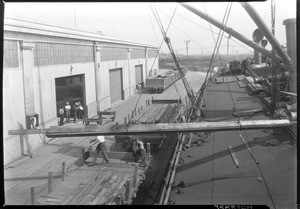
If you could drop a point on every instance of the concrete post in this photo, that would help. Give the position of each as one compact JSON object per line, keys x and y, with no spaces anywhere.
{"x":129,"y":71}
{"x":97,"y":55}
{"x":27,"y":53}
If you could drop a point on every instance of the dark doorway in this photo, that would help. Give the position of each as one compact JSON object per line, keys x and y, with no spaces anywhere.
{"x":70,"y":89}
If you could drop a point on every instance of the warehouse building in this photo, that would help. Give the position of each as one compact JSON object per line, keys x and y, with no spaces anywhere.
{"x":45,"y":66}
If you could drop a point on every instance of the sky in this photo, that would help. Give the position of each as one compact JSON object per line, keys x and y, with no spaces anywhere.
{"x":134,"y":21}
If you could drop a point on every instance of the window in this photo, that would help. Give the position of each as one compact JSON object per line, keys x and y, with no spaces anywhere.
{"x":10,"y":54}
{"x":137,"y":54}
{"x":55,"y":54}
{"x":112,"y":53}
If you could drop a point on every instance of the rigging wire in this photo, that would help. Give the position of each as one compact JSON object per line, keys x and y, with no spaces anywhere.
{"x":213,"y":33}
{"x":224,"y":22}
{"x":186,"y":34}
{"x":168,"y":42}
{"x":178,"y":14}
{"x":157,"y":52}
{"x":152,"y":26}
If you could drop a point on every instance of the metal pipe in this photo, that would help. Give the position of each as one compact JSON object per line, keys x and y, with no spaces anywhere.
{"x":231,"y":32}
{"x":168,"y":191}
{"x":266,"y":31}
{"x":134,"y":129}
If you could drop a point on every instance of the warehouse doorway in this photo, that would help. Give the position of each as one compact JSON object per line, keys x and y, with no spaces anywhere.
{"x":116,"y":85}
{"x":139,"y":74}
{"x":70,"y":89}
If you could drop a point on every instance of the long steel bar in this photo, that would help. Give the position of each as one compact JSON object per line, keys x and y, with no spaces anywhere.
{"x":266,"y":31}
{"x":230,"y":31}
{"x":121,"y":129}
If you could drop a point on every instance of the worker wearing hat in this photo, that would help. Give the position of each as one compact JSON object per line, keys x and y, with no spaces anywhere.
{"x":67,"y":111}
{"x":103,"y":148}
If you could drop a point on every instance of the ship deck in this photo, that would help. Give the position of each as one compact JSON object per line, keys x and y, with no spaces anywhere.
{"x":214,"y":174}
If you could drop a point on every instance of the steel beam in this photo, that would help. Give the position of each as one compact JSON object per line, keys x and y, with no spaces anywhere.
{"x":133,"y":129}
{"x":139,"y":129}
{"x":230,"y":31}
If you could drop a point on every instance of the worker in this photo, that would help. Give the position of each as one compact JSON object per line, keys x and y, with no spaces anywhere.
{"x":75,"y":112}
{"x":61,"y":116}
{"x":139,"y":152}
{"x":67,"y":110}
{"x":103,"y":148}
{"x":80,"y":111}
{"x":139,"y":87}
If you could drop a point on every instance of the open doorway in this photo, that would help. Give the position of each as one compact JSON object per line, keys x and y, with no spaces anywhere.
{"x":70,"y":89}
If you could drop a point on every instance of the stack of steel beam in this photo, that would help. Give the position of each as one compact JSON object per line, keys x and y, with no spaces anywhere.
{"x":155,"y":113}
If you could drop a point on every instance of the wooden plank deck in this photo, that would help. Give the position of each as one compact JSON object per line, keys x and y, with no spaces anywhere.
{"x":20,"y":175}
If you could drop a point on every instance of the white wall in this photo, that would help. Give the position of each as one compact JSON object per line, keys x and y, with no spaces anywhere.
{"x":45,"y":79}
{"x":13,"y":112}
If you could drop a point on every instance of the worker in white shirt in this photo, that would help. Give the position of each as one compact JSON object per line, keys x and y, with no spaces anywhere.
{"x":103,"y":148}
{"x":67,"y":111}
{"x":139,"y":152}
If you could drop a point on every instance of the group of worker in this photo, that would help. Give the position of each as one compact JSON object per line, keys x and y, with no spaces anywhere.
{"x":138,"y":151}
{"x":65,"y":112}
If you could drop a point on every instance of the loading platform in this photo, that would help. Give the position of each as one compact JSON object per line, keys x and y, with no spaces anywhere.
{"x":56,"y":175}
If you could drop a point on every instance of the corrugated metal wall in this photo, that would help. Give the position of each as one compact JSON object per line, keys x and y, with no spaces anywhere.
{"x":56,"y":53}
{"x":10,"y":54}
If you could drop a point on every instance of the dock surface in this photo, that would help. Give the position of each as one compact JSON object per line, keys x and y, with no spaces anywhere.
{"x":25,"y":172}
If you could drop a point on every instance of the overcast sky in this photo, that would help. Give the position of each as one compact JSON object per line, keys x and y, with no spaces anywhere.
{"x":135,"y":21}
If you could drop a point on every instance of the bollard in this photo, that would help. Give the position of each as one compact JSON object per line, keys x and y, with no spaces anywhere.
{"x":32,"y":191}
{"x":132,"y":114}
{"x":135,"y":113}
{"x":139,"y":110}
{"x":63,"y":171}
{"x":135,"y":176}
{"x":128,"y":191}
{"x":50,"y":180}
{"x":125,"y":120}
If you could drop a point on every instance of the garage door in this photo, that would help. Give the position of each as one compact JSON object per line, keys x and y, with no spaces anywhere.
{"x":138,"y":74}
{"x":115,"y":82}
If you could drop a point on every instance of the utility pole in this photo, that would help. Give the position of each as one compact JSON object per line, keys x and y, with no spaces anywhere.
{"x":228,"y":37}
{"x":75,"y":17}
{"x":187,"y":52}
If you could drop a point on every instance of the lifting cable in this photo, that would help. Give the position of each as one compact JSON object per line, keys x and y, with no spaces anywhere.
{"x":201,"y":91}
{"x":155,"y":13}
{"x":156,"y":53}
{"x":212,"y":33}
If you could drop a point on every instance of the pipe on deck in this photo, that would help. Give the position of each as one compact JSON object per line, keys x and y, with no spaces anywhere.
{"x":123,"y":129}
{"x":232,"y":32}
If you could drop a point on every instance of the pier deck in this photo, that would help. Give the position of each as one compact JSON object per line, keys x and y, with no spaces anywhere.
{"x":25,"y":172}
